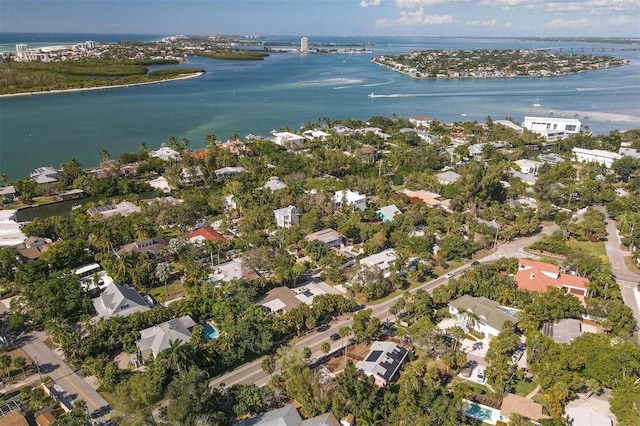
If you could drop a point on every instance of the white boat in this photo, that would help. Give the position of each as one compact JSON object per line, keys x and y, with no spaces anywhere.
{"x":371,"y":95}
{"x":464,"y":114}
{"x":537,"y":103}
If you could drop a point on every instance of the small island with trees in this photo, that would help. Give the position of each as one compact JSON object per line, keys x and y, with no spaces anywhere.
{"x":496,"y":63}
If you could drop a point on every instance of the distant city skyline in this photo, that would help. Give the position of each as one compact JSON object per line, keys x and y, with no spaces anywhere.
{"x":435,"y":18}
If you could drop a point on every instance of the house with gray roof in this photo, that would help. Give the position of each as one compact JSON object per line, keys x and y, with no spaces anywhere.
{"x":289,"y":416}
{"x":274,"y":183}
{"x":481,"y":314}
{"x":387,"y":213}
{"x":156,"y":339}
{"x":448,"y":177}
{"x":8,"y":194}
{"x":118,"y":301}
{"x":383,"y":362}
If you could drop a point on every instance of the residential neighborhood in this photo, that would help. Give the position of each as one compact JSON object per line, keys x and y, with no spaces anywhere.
{"x":348,"y":273}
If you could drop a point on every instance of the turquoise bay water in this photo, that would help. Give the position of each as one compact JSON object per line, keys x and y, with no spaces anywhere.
{"x":290,"y":89}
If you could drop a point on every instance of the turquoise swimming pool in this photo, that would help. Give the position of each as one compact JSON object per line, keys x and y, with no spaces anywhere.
{"x":210,"y":332}
{"x":481,"y":412}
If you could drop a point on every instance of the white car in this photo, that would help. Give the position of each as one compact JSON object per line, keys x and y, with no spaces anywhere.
{"x":449,"y":275}
{"x":480,"y":376}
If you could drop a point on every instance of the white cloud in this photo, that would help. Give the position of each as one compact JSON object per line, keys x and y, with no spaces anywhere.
{"x":623,"y":20}
{"x":366,"y":3}
{"x":568,"y":23}
{"x":478,"y":23}
{"x":415,"y":4}
{"x":415,"y":17}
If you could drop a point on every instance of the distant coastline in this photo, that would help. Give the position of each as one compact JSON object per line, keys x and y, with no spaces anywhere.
{"x":117,"y":86}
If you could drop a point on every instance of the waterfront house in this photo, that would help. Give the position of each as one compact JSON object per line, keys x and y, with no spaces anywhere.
{"x":315,"y":134}
{"x":375,"y":130}
{"x":165,"y":153}
{"x":387,"y":213}
{"x":44,"y":175}
{"x":552,"y":128}
{"x":156,"y":339}
{"x":602,"y":157}
{"x":10,"y":230}
{"x":33,"y":247}
{"x":510,"y":125}
{"x":7,"y":194}
{"x":347,"y":197}
{"x":73,"y":194}
{"x":539,"y":276}
{"x":288,"y":140}
{"x":383,"y":362}
{"x":118,"y":301}
{"x":421,"y":121}
{"x":287,"y":217}
{"x":237,"y":148}
{"x":124,"y":208}
{"x":480,"y":314}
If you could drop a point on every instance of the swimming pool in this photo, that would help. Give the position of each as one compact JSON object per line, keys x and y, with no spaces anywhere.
{"x":210,"y":332}
{"x":481,"y":412}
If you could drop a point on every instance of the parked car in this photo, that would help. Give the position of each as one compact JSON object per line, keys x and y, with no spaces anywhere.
{"x":480,"y":376}
{"x":334,"y":337}
{"x":475,"y":263}
{"x":449,"y":275}
{"x":466,"y":372}
{"x":517,"y":355}
{"x":323,"y":327}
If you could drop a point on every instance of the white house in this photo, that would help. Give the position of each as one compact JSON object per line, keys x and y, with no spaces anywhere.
{"x":510,"y":125}
{"x":287,"y":217}
{"x":43,"y":175}
{"x":165,"y":153}
{"x":528,"y":166}
{"x":480,"y":314}
{"x":227,"y":172}
{"x":288,"y":140}
{"x":118,"y":301}
{"x":315,"y":134}
{"x":274,"y":183}
{"x":159,"y":337}
{"x":552,"y":128}
{"x":421,"y":121}
{"x":10,"y":231}
{"x":382,"y":261}
{"x":605,"y":158}
{"x":347,"y":197}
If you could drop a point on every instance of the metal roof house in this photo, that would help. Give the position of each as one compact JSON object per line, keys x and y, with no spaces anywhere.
{"x":384,"y":361}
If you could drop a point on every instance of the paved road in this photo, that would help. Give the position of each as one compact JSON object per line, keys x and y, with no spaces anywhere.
{"x":253,"y":373}
{"x":53,"y":366}
{"x":626,"y":279}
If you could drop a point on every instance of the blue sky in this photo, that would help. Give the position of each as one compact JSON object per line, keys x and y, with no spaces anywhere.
{"x":614,"y":18}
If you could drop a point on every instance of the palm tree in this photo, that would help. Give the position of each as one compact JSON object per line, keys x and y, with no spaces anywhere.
{"x":344,"y":332}
{"x":5,"y":364}
{"x":104,"y":155}
{"x":325,"y":347}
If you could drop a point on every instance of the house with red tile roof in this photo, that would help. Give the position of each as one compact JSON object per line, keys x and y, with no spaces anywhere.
{"x":539,"y":276}
{"x":207,"y":233}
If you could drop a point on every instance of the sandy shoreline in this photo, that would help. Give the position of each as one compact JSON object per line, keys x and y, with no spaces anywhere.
{"x":82,"y":89}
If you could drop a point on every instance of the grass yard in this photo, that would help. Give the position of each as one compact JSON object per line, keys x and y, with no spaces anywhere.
{"x":175,"y":287}
{"x":597,"y":249}
{"x":524,"y":388}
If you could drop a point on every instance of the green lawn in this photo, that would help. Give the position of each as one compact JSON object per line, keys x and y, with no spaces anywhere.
{"x":524,"y":388}
{"x":597,"y":249}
